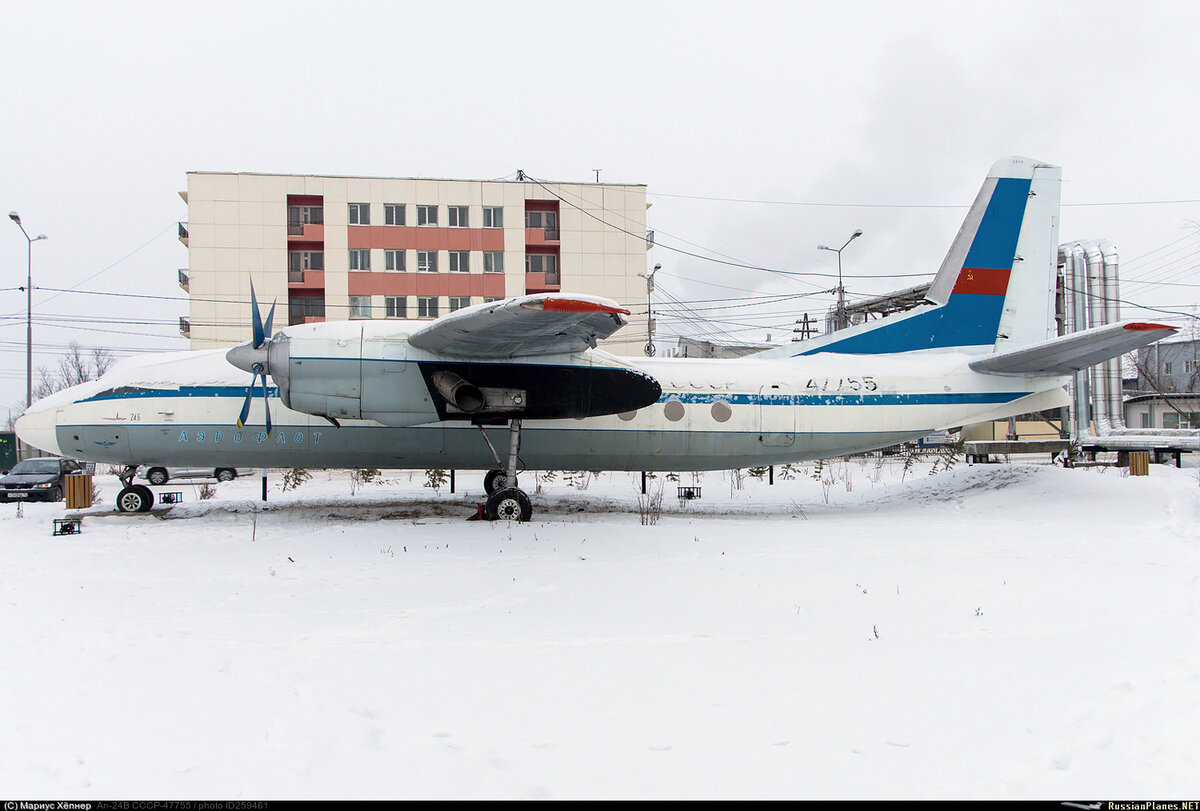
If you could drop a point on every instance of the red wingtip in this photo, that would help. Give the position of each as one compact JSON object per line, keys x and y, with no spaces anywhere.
{"x":1141,"y":326}
{"x":573,"y":305}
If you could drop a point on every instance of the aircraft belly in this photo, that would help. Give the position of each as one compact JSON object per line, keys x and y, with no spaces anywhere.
{"x":677,"y":433}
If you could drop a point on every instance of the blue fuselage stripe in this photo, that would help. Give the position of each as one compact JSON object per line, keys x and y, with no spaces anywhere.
{"x":824,"y":399}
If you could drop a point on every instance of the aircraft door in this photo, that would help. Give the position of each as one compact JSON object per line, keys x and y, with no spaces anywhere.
{"x":776,"y":415}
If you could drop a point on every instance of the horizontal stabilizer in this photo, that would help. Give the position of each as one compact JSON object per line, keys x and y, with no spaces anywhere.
{"x":542,"y":324}
{"x":1070,"y":353}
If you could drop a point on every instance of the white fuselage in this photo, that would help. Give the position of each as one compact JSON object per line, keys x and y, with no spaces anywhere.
{"x":713,"y":414}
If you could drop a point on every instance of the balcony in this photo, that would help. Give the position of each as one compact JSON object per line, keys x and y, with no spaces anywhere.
{"x":183,"y":278}
{"x":305,"y":232}
{"x":183,"y":233}
{"x":541,"y":236}
{"x":295,"y":277}
{"x":542,"y":282}
{"x":185,"y":327}
{"x":306,"y":222}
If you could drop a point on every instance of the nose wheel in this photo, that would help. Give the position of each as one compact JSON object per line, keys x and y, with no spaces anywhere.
{"x":505,"y":502}
{"x":497,"y":480}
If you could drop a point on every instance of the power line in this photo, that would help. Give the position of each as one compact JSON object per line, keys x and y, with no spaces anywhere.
{"x":823,"y":204}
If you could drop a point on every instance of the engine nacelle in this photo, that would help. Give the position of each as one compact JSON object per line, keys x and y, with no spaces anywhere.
{"x":341,"y":376}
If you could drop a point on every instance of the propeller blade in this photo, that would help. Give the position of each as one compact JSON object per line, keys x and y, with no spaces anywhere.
{"x":259,"y":335}
{"x":241,"y":421}
{"x":266,"y":403}
{"x":270,"y":318}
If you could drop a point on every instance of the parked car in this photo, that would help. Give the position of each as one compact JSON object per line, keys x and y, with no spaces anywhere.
{"x":39,"y":479}
{"x":156,"y":474}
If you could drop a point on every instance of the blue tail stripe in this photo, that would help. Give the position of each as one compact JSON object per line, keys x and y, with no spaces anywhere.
{"x":967,"y":319}
{"x":995,"y":242}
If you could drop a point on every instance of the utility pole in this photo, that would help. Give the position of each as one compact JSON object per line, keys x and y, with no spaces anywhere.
{"x":840,"y":320}
{"x":807,"y":329}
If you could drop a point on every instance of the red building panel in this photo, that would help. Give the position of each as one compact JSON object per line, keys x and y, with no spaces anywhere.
{"x":420,"y":238}
{"x":484,"y":285}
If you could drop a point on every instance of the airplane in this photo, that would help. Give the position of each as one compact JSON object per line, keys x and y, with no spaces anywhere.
{"x":524,"y":375}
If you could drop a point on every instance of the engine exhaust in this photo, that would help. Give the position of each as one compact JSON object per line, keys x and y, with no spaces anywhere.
{"x":458,"y":392}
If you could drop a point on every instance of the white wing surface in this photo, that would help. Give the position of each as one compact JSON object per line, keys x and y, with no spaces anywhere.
{"x":542,"y":324}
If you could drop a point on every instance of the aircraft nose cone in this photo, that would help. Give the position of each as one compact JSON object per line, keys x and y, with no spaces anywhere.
{"x":39,"y":429}
{"x":245,"y":356}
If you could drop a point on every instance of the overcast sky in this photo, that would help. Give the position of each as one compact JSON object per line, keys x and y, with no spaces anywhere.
{"x":875,"y":115}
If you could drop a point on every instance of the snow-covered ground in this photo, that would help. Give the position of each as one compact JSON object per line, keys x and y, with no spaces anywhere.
{"x":1000,"y":631}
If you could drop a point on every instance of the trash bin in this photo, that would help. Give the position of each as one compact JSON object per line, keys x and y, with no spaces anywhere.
{"x":78,"y":491}
{"x":1139,"y":463}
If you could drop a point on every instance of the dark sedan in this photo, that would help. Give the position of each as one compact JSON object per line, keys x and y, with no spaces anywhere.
{"x":37,"y":479}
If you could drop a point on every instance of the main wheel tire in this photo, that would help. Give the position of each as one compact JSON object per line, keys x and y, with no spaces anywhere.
{"x":509,"y":504}
{"x":148,"y":504}
{"x":157,"y":476}
{"x":56,"y":494}
{"x":497,"y":480}
{"x":135,"y":499}
{"x":225,"y":474}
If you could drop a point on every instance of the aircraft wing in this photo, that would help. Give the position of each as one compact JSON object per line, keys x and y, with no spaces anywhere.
{"x":546,"y":323}
{"x":1078,"y":350}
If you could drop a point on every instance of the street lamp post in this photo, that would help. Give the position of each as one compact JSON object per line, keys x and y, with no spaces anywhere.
{"x":841,"y":305}
{"x":15,"y":217}
{"x":649,"y":277}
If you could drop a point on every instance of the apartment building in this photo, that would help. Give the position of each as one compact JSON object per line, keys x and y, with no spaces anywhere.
{"x":337,"y":248}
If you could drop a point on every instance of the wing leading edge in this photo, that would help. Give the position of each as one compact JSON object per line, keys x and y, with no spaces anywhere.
{"x":1078,"y":350}
{"x":541,"y":324}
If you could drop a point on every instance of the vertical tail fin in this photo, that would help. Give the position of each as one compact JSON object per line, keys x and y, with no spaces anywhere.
{"x":996,"y":286}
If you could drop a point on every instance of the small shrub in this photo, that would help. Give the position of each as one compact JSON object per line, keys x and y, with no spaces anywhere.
{"x":650,"y":505}
{"x":435,"y":478}
{"x":295,"y":477}
{"x":207,"y":491}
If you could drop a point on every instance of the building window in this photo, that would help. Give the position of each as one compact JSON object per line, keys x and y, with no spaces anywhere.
{"x":393,"y":260}
{"x":360,"y":213}
{"x":493,"y":262}
{"x":1173,"y":419}
{"x":299,"y":216}
{"x":427,"y":261}
{"x":457,"y":216}
{"x":302,"y":309}
{"x":426,"y":215}
{"x":427,"y":307}
{"x":1145,"y":419}
{"x":1167,"y":368}
{"x":360,"y":306}
{"x":489,"y":300}
{"x":460,"y":261}
{"x":300,"y":261}
{"x":546,"y":220}
{"x":546,"y":263}
{"x":396,"y":306}
{"x":360,"y":259}
{"x":459,"y":302}
{"x":393,"y":213}
{"x":1190,"y":366}
{"x":493,"y":217}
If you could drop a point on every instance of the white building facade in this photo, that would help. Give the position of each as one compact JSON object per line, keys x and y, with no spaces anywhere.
{"x":336,"y":248}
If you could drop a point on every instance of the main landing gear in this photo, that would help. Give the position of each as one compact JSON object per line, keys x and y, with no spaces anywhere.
{"x":505,"y":501}
{"x":133,"y":498}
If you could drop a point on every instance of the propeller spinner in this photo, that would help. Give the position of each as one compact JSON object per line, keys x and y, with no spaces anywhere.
{"x":252,"y":357}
